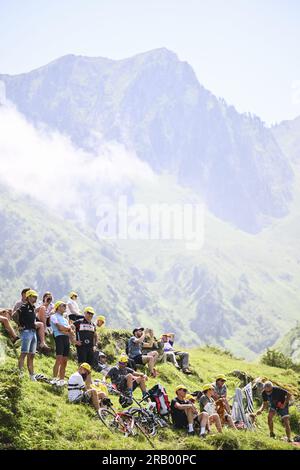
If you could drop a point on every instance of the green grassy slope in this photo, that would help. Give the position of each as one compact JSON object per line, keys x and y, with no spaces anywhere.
{"x":35,"y":416}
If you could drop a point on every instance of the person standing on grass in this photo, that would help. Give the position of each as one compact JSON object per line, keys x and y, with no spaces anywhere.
{"x":277,"y":400}
{"x":86,"y":337}
{"x":27,"y":321}
{"x":38,"y":324}
{"x":62,"y":332}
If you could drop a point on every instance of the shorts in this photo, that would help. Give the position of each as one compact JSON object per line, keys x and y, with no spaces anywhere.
{"x":62,"y":343}
{"x":122,"y":385}
{"x":282,"y":412}
{"x":29,"y":341}
{"x":138,"y":359}
{"x":86,"y":397}
{"x":85,"y":354}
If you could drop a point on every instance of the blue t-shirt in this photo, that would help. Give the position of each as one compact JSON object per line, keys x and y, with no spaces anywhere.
{"x":134,"y":348}
{"x":58,"y":319}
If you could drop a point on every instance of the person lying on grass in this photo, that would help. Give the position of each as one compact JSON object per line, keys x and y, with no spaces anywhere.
{"x":81,"y":389}
{"x":185,"y":414}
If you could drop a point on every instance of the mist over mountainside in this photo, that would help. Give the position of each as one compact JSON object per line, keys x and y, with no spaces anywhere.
{"x":88,"y":130}
{"x":153,"y":103}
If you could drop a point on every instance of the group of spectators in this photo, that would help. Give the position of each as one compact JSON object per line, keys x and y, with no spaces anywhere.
{"x":69,"y":325}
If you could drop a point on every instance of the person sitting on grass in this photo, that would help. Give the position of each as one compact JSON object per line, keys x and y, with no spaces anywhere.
{"x":62,"y":332}
{"x":135,"y":351}
{"x":208,"y":404}
{"x":184,"y":413}
{"x":125,"y":379}
{"x":80,"y":388}
{"x":171,"y":354}
{"x":150,"y":343}
{"x":220,"y":391}
{"x":45,"y":310}
{"x":101,"y":364}
{"x":4,"y":320}
{"x":277,"y":400}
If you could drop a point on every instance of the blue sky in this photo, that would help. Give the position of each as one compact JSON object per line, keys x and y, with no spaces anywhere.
{"x":246,"y":51}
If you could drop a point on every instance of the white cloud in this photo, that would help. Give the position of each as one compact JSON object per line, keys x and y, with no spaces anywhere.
{"x":47,"y":166}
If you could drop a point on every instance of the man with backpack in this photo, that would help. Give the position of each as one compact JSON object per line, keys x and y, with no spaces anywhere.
{"x":135,"y":345}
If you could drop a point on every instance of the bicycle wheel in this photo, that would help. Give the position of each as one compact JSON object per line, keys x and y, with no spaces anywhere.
{"x":145,"y":420}
{"x":108,"y":418}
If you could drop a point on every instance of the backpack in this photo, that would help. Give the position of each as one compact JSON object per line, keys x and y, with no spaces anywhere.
{"x":159,"y":395}
{"x":127,"y":347}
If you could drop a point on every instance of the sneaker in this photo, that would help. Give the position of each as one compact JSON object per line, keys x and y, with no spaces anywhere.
{"x":61,"y":383}
{"x":202,"y":436}
{"x":191,"y":433}
{"x":272,"y":435}
{"x":187,"y":371}
{"x":32,"y":378}
{"x":54,"y":381}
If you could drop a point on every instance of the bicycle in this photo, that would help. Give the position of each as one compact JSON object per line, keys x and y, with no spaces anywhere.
{"x":121,"y":421}
{"x":147,"y":417}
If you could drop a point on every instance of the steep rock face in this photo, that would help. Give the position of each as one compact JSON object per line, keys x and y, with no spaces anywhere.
{"x":287,"y":134}
{"x":154,"y":104}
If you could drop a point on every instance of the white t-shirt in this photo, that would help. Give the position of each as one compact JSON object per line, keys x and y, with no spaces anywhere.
{"x":76,"y":386}
{"x":72,"y":307}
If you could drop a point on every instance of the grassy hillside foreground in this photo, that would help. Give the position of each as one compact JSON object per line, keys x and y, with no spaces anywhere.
{"x":34,"y":415}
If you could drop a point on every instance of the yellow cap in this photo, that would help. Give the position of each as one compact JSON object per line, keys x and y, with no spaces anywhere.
{"x":101,"y":318}
{"x":58,"y":304}
{"x":31,"y":293}
{"x":190,"y":397}
{"x":86,"y":366}
{"x":207,"y":387}
{"x":179,"y":387}
{"x":89,"y":310}
{"x":221,"y":376}
{"x":123,"y":358}
{"x":72,"y":294}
